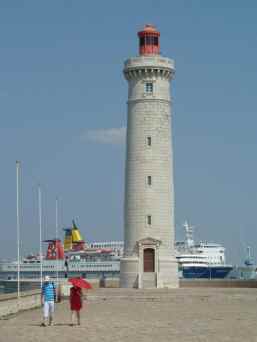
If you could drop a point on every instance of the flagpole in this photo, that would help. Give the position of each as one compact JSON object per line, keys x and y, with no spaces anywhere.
{"x":40,"y":233}
{"x":18,"y":165}
{"x":56,"y":237}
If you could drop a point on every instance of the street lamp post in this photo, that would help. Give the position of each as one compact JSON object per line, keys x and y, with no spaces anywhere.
{"x":18,"y":166}
{"x":40,"y":234}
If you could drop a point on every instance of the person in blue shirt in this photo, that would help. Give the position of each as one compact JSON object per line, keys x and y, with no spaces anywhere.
{"x":47,"y":300}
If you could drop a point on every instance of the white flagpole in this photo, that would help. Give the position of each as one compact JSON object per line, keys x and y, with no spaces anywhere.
{"x":56,"y":237}
{"x":40,"y":233}
{"x":18,"y":164}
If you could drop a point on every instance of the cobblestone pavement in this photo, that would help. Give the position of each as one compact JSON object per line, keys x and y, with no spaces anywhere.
{"x":183,"y":315}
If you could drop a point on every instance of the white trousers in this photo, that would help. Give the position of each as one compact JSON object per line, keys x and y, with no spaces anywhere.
{"x":48,"y":309}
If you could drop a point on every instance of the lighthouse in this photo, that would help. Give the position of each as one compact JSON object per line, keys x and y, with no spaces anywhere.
{"x":149,"y":260}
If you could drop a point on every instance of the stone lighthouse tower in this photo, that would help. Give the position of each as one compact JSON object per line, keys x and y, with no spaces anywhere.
{"x":149,"y":260}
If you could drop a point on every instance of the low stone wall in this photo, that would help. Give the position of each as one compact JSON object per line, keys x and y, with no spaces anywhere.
{"x":218,"y":283}
{"x":10,"y":304}
{"x":114,"y":283}
{"x":96,"y":283}
{"x":111,"y":283}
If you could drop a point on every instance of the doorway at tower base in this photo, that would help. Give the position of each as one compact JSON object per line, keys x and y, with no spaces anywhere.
{"x":130,"y":277}
{"x":151,"y":266}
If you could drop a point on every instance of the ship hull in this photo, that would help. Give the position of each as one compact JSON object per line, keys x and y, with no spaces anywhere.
{"x":213,"y":272}
{"x":50,"y":267}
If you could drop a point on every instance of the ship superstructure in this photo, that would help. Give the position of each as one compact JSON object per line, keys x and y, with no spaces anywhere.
{"x":73,"y":258}
{"x":201,"y":260}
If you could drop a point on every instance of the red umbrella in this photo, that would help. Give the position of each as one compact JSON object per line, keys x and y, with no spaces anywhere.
{"x":80,"y":282}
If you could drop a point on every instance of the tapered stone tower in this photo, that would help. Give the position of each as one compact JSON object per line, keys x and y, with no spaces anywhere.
{"x":149,"y":260}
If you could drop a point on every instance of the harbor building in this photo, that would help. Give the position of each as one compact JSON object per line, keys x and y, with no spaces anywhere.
{"x":149,"y":258}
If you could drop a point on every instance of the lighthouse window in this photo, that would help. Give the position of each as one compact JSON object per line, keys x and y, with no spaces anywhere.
{"x":156,"y":41}
{"x":149,"y":141}
{"x":149,"y":180}
{"x":149,"y":87}
{"x":149,"y":220}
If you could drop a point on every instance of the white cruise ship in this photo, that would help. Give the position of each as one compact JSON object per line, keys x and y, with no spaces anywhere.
{"x":201,"y":260}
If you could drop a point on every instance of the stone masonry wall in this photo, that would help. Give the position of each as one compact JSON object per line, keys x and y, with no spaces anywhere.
{"x":149,"y":115}
{"x":10,"y":306}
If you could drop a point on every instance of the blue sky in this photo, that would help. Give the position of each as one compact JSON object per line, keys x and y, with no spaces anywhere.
{"x":63,"y":114}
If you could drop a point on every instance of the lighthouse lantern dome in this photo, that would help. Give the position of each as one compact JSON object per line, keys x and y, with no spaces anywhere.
{"x":149,"y":41}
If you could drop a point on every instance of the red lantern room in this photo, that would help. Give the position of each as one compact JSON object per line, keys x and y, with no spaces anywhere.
{"x":149,"y":41}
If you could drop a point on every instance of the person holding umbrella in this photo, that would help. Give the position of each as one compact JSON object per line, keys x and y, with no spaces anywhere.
{"x":76,"y":297}
{"x":76,"y":303}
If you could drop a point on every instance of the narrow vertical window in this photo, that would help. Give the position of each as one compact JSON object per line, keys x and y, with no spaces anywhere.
{"x":149,"y":141}
{"x":149,"y":87}
{"x":148,"y":40}
{"x":149,"y":180}
{"x":149,"y":220}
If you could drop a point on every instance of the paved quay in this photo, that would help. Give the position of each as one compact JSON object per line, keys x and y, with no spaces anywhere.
{"x":181,"y":315}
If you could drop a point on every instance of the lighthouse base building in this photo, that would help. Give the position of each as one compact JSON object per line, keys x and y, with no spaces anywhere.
{"x":149,"y":259}
{"x":147,"y":268}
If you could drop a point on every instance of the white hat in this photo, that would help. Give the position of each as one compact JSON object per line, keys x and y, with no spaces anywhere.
{"x":47,"y":278}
